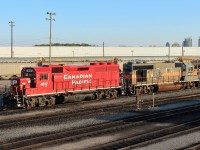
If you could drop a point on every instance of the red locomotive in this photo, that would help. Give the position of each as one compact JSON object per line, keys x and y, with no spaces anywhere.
{"x":50,"y":84}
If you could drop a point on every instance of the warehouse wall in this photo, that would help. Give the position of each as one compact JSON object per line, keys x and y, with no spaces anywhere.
{"x":98,"y":51}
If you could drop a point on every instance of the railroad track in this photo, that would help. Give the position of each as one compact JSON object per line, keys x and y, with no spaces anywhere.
{"x":108,"y":128}
{"x":152,"y":137}
{"x":87,"y":111}
{"x":145,"y":139}
{"x":147,"y":97}
{"x":195,"y":146}
{"x":92,"y":111}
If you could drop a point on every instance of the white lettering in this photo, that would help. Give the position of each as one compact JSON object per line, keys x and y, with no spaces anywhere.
{"x":73,"y":77}
{"x":14,"y":82}
{"x":44,"y":84}
{"x":81,"y":81}
{"x":77,"y":76}
{"x":65,"y":76}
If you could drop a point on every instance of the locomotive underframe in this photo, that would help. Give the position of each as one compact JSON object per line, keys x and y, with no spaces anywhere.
{"x":57,"y":98}
{"x":150,"y":88}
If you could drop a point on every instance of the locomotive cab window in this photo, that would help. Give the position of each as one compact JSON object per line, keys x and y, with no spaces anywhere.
{"x":190,"y":69}
{"x":44,"y":76}
{"x":168,"y":69}
{"x":28,"y":73}
{"x":57,"y":70}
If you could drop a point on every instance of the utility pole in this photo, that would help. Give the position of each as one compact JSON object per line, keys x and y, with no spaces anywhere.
{"x":103,"y":49}
{"x":50,"y":19}
{"x":132,"y":53}
{"x":12,"y":25}
{"x":169,"y":53}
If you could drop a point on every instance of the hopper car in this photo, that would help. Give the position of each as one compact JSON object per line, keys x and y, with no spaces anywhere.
{"x":51,"y":84}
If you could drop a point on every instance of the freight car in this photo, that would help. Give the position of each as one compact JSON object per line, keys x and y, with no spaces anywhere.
{"x":159,"y":76}
{"x":51,"y":84}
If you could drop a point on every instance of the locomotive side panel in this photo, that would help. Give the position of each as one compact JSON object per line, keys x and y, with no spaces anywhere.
{"x":166,"y":73}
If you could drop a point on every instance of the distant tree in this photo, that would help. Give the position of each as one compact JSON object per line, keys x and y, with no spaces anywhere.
{"x":167,"y":44}
{"x":66,"y":44}
{"x":175,"y":45}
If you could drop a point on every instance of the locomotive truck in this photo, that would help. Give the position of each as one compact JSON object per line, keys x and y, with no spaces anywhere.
{"x":51,"y":84}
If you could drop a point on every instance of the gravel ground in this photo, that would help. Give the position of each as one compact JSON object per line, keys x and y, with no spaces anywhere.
{"x":8,"y":134}
{"x":174,"y":105}
{"x":89,"y":142}
{"x":175,"y":143}
{"x":17,"y":132}
{"x":170,"y":144}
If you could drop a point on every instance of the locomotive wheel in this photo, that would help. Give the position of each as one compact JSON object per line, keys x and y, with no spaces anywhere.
{"x":115,"y":94}
{"x":145,"y":90}
{"x":103,"y":96}
{"x":98,"y":96}
{"x":50,"y":101}
{"x":193,"y":85}
{"x":27,"y":105}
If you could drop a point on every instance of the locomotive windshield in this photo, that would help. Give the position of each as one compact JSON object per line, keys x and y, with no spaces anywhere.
{"x":28,"y":72}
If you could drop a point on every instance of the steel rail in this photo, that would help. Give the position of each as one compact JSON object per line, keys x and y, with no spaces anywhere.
{"x":91,"y":131}
{"x":88,"y":111}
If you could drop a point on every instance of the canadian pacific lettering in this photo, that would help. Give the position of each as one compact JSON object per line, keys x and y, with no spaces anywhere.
{"x":86,"y":78}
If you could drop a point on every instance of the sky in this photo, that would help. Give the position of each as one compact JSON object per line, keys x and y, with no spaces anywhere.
{"x":114,"y":22}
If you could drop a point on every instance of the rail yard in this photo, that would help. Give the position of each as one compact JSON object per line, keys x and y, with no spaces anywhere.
{"x":94,"y":114}
{"x":99,"y":75}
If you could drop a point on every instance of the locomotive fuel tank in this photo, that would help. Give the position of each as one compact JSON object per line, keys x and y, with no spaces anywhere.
{"x":74,"y":97}
{"x":169,"y":87}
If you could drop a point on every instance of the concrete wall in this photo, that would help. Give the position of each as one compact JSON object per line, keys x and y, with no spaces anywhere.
{"x":97,"y":51}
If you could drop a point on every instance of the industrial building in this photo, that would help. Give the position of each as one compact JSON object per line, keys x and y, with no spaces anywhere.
{"x":187,"y":42}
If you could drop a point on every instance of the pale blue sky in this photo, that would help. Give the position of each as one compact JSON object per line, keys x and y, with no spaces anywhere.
{"x":116,"y":22}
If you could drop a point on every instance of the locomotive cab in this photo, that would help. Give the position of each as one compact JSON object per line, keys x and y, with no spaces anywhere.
{"x":19,"y":86}
{"x":31,"y":74}
{"x":188,"y":71}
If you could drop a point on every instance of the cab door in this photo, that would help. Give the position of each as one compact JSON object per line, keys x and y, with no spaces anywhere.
{"x":141,"y":75}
